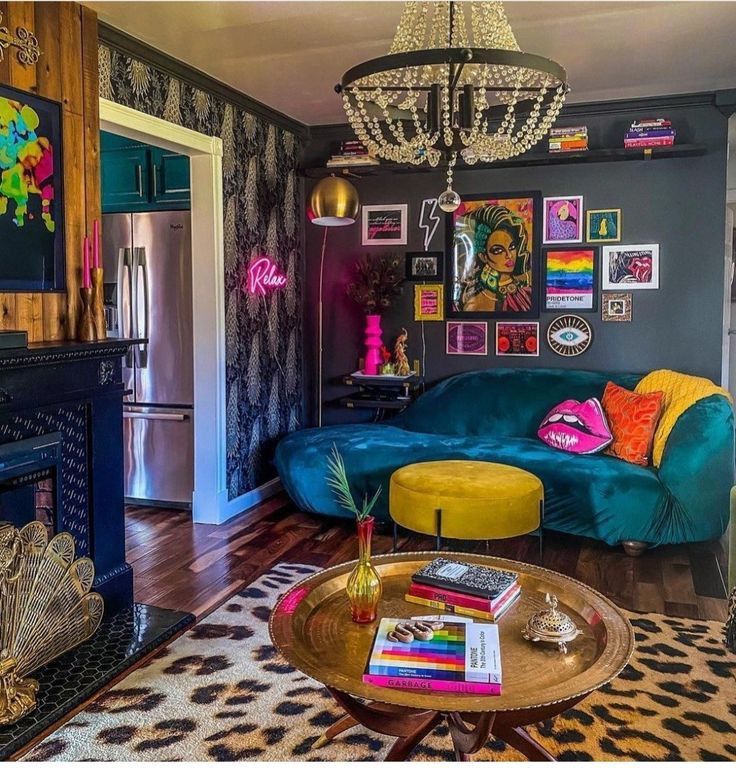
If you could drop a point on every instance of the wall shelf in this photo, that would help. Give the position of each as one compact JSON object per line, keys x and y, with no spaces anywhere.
{"x":596,"y":155}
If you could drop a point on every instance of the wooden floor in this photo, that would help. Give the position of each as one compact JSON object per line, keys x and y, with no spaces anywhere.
{"x":196,"y":567}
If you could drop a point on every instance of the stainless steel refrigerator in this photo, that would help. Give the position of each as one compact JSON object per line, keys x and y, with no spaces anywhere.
{"x":148,"y":291}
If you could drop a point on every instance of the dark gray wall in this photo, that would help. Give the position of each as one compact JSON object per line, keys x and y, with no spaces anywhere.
{"x":678,"y":203}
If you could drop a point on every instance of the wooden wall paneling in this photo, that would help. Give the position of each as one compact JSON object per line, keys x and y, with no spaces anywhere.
{"x":5,"y":63}
{"x":70,"y":63}
{"x":91,"y":106}
{"x":48,"y":74}
{"x":7,"y":311}
{"x":75,"y":220}
{"x":66,"y":72}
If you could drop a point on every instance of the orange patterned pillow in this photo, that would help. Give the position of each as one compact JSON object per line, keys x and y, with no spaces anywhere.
{"x":633,"y":421}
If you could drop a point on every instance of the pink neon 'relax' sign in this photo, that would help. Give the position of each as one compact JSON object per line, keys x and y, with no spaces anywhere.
{"x":264,"y":276}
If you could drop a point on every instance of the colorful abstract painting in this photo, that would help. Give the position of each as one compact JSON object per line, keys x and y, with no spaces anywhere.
{"x":631,"y":267}
{"x":563,"y":219}
{"x":570,"y":280}
{"x":30,"y":182}
{"x":494,"y":269}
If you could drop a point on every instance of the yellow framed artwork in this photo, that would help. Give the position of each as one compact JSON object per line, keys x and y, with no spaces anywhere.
{"x":429,"y":302}
{"x":603,"y":225}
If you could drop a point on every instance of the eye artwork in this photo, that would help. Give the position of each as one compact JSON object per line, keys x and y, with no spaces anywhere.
{"x":569,"y":335}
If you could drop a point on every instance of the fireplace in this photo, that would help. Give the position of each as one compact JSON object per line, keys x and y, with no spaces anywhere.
{"x":29,"y":481}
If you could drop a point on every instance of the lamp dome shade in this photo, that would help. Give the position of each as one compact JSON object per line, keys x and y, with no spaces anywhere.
{"x":334,"y":202}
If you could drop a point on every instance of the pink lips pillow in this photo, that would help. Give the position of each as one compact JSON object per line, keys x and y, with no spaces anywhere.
{"x":576,"y":427}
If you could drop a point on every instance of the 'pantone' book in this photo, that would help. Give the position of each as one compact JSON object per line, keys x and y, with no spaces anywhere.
{"x":459,"y":656}
{"x":466,"y":578}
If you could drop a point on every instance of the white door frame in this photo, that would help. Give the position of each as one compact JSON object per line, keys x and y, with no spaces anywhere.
{"x":209,"y":499}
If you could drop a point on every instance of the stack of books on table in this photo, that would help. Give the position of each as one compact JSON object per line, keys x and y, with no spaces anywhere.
{"x":352,"y":153}
{"x":466,"y":589}
{"x":454,"y":655}
{"x":650,"y":133}
{"x":565,"y":139}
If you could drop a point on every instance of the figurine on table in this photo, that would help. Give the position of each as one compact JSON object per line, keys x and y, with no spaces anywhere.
{"x":400,"y":359}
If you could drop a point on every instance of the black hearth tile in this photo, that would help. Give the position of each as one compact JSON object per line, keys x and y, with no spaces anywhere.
{"x":119,"y":643}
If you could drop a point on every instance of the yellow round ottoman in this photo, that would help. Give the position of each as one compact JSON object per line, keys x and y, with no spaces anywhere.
{"x":466,"y":500}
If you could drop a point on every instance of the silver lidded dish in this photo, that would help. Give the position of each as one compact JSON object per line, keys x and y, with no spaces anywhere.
{"x":551,"y":625}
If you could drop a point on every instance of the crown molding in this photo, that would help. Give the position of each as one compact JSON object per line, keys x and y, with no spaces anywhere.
{"x":127,"y":44}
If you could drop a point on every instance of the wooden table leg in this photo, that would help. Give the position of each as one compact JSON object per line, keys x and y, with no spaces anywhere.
{"x":409,"y":725}
{"x":468,"y":739}
{"x":343,"y":724}
{"x":520,"y":740}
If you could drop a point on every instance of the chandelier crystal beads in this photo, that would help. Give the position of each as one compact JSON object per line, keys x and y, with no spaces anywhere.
{"x":454,"y":83}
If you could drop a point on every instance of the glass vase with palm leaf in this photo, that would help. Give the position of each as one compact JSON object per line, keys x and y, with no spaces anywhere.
{"x":364,"y":583}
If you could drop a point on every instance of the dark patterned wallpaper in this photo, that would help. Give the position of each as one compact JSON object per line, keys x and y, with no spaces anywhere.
{"x":262,"y":214}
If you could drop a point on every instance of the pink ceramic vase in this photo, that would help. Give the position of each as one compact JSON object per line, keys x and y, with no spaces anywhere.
{"x":373,"y":344}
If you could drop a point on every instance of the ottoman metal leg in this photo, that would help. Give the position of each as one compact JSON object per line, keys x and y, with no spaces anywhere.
{"x":396,"y":535}
{"x":438,"y":543}
{"x":541,"y":530}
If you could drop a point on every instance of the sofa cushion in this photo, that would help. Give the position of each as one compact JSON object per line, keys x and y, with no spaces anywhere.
{"x":578,"y":427}
{"x":633,"y":419}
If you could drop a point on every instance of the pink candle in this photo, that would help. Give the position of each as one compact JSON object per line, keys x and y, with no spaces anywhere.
{"x":86,"y":276}
{"x":96,"y":244}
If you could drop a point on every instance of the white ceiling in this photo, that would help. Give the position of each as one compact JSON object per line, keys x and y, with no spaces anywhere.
{"x":289,"y":55}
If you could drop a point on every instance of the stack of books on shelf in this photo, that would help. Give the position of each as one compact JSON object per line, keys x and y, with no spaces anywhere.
{"x":352,"y":153}
{"x":466,"y":589}
{"x":566,"y":139}
{"x":650,"y":133}
{"x":454,"y":655}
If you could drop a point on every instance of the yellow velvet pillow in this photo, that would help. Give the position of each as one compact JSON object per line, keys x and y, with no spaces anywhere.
{"x":632,"y":419}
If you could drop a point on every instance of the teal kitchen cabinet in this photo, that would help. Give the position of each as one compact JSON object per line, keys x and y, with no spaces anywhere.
{"x":142,"y":178}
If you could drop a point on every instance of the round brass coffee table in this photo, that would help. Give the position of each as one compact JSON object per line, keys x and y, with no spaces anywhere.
{"x":312,"y":629}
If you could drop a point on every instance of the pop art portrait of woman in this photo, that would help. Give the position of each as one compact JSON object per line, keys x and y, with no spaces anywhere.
{"x":494,"y":270}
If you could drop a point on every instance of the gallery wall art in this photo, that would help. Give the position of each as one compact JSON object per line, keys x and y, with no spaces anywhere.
{"x":517,"y":339}
{"x":429,"y":302}
{"x":563,"y":219}
{"x":569,"y":335}
{"x":603,"y":225}
{"x":630,"y":267}
{"x":492,"y":246}
{"x":384,"y":224}
{"x":467,"y":338}
{"x":31,"y":196}
{"x":616,"y":307}
{"x":424,"y":266}
{"x":570,"y":279}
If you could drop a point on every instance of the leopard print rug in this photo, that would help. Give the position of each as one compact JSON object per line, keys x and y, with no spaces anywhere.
{"x":221,"y":693}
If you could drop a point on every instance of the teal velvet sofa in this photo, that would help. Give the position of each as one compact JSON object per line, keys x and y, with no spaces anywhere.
{"x":493,"y":416}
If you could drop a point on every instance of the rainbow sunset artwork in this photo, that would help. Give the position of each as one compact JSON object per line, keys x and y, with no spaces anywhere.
{"x":570,"y":280}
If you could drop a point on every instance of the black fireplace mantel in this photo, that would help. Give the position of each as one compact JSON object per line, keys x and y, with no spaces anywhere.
{"x":76,"y":389}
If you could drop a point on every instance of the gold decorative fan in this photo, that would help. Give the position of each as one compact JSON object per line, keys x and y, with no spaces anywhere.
{"x":46,"y":609}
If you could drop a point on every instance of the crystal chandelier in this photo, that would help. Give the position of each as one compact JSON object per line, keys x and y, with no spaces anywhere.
{"x":454,"y":83}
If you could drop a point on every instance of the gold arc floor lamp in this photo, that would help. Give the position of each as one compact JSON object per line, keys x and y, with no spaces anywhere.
{"x":334,"y":202}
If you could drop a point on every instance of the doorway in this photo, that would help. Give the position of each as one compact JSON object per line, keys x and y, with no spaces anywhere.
{"x":209,"y":496}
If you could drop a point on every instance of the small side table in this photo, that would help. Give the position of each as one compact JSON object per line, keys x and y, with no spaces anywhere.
{"x":381,"y":393}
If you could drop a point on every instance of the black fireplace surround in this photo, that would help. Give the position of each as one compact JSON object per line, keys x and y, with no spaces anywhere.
{"x":61,"y":422}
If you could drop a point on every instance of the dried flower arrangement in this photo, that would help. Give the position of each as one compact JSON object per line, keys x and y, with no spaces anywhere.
{"x":377,"y":282}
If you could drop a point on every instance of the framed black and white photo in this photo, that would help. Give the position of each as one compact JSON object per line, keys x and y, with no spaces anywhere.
{"x":424,"y":266}
{"x":384,"y":224}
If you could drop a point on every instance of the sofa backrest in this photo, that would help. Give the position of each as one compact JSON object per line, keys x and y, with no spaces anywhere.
{"x":508,"y":402}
